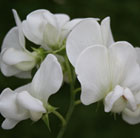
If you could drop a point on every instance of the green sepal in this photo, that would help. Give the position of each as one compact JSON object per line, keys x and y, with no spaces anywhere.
{"x":45,"y":118}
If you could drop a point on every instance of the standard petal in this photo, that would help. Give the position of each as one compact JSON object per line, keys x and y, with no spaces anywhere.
{"x":112,"y":97}
{"x":62,"y":19}
{"x":11,"y":40}
{"x":34,"y":25}
{"x":85,"y":34}
{"x":9,"y":123}
{"x":138,"y":54}
{"x":92,"y":69}
{"x":19,"y":25}
{"x":68,"y":27}
{"x":48,"y":79}
{"x":25,"y":87}
{"x":51,"y":36}
{"x":106,"y":32}
{"x":137,"y":97}
{"x":123,"y":65}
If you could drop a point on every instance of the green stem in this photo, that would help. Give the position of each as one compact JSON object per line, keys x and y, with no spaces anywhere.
{"x":77,"y":90}
{"x":60,"y":117}
{"x":72,"y":99}
{"x":77,"y":102}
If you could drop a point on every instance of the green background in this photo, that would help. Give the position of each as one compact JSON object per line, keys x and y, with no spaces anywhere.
{"x":86,"y":121}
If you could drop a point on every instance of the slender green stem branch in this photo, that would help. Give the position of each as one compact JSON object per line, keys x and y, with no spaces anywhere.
{"x":77,"y":102}
{"x":77,"y":90}
{"x":60,"y":117}
{"x":72,"y":99}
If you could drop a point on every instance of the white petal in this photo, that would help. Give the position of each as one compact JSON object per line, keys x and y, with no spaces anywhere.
{"x":24,"y":75}
{"x":20,"y":32}
{"x":137,"y":97}
{"x":29,"y":102}
{"x":131,"y":117}
{"x":17,"y":19}
{"x":9,"y":70}
{"x":48,"y":79}
{"x":11,"y":40}
{"x":62,"y":19}
{"x":93,"y":73}
{"x":9,"y":107}
{"x":130,"y":98}
{"x":85,"y":34}
{"x":25,"y":87}
{"x":35,"y":25}
{"x":112,"y":97}
{"x":33,"y":105}
{"x":51,"y":36}
{"x":125,"y":70}
{"x":138,"y":54}
{"x":68,"y":27}
{"x":22,"y":60}
{"x":106,"y":32}
{"x":9,"y":123}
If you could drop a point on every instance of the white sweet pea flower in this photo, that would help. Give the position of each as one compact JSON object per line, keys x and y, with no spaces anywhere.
{"x":16,"y":107}
{"x":47,"y":29}
{"x":88,"y":32}
{"x":31,"y":101}
{"x":15,"y":58}
{"x":110,"y":74}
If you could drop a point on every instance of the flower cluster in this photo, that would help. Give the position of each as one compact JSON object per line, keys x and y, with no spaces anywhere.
{"x":108,"y":71}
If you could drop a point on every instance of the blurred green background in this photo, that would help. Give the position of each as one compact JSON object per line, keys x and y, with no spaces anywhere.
{"x":86,"y":121}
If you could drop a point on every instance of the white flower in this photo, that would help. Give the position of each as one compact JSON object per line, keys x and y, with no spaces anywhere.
{"x":15,"y":58}
{"x":88,"y":32}
{"x":110,"y":74}
{"x":47,"y":29}
{"x":31,"y":100}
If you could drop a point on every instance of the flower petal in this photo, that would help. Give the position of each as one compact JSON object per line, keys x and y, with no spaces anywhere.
{"x":13,"y":56}
{"x":131,"y":117}
{"x":62,"y":19}
{"x":106,"y":32}
{"x":138,"y":54}
{"x":24,"y":75}
{"x":130,"y":98}
{"x":8,"y":70}
{"x":19,"y":25}
{"x":112,"y":97}
{"x":25,"y":87}
{"x":9,"y":107}
{"x":11,"y":40}
{"x":48,"y":79}
{"x":93,"y":73}
{"x":85,"y":34}
{"x":35,"y":23}
{"x":137,"y":97}
{"x":33,"y":105}
{"x":125,"y":70}
{"x":51,"y":36}
{"x":9,"y":123}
